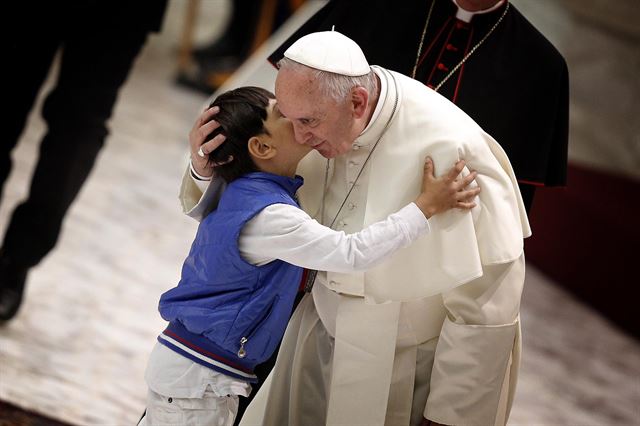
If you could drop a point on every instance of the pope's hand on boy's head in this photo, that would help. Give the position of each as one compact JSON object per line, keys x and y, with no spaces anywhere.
{"x":202,"y":128}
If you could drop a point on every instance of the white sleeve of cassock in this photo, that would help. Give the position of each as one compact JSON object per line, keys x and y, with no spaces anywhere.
{"x":199,"y":198}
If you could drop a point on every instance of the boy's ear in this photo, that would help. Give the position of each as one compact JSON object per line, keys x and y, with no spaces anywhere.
{"x":261,"y":149}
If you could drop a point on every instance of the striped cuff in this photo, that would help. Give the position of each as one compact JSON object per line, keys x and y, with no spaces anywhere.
{"x":195,"y":174}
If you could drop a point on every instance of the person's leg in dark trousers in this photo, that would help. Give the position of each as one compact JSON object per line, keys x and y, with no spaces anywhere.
{"x":28,"y":62}
{"x":94,"y":66}
{"x":93,"y":69}
{"x":28,"y":57}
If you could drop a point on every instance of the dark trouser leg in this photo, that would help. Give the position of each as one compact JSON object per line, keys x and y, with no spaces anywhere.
{"x":28,"y":62}
{"x":94,"y":66}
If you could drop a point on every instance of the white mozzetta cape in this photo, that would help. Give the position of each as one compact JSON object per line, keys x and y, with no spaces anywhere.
{"x":414,"y":123}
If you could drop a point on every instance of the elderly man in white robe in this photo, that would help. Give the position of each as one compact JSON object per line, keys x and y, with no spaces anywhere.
{"x":432,"y":335}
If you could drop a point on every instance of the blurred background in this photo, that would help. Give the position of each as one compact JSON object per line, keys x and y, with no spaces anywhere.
{"x":76,"y":351}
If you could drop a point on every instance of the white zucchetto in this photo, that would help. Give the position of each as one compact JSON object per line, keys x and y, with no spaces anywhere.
{"x":329,"y":51}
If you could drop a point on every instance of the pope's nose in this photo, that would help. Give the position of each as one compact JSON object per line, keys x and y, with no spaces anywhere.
{"x":302,"y":136}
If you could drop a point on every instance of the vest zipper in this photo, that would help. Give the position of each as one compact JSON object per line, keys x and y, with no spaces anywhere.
{"x":242,"y":351}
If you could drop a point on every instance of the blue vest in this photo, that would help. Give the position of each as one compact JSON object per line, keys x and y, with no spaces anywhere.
{"x":225,"y":313}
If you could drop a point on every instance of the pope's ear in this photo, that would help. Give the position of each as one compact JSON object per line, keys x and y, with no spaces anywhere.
{"x":359,"y":100}
{"x":260,"y":149}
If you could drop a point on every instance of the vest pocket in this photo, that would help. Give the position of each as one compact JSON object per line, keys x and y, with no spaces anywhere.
{"x":254,"y":341}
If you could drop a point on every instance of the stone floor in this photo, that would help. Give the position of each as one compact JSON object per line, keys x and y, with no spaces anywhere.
{"x":77,"y":350}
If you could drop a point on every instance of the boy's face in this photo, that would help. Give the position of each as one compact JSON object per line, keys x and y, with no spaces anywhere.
{"x":289,"y":152}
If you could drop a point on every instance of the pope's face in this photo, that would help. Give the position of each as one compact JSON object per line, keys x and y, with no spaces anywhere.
{"x":318,"y":120}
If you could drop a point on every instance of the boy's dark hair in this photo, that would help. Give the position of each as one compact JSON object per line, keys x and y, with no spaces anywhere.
{"x":242,"y":115}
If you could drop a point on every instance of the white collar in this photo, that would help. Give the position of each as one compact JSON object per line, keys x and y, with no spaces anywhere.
{"x":466,"y":16}
{"x":379,"y":105}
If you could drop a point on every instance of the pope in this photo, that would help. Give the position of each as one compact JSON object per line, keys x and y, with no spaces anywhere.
{"x":433,"y":333}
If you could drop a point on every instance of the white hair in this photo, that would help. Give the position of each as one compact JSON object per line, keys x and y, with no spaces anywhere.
{"x":336,"y":86}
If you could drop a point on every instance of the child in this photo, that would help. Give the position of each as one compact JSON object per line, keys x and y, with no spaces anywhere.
{"x":230,"y":309}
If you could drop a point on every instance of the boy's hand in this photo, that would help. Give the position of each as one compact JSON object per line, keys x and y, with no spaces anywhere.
{"x":449,"y":191}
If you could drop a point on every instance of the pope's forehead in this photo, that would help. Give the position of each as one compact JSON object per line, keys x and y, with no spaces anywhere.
{"x":293,"y":108}
{"x":296,"y":91}
{"x":298,"y":82}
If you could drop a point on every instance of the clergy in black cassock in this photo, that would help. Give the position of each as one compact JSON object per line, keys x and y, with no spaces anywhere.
{"x":515,"y":84}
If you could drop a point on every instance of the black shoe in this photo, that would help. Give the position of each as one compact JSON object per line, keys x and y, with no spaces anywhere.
{"x":12,"y":281}
{"x":224,"y":46}
{"x":208,"y":79}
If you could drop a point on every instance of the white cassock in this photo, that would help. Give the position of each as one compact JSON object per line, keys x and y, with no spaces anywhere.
{"x":433,"y":331}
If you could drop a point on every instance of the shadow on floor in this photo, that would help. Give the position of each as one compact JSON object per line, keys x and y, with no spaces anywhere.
{"x":10,"y":415}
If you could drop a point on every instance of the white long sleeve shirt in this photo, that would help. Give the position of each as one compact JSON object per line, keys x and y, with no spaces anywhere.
{"x":281,"y":231}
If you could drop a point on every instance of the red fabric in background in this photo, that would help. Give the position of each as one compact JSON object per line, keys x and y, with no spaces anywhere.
{"x":586,"y":238}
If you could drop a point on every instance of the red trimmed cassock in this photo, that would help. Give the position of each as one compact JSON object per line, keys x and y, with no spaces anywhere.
{"x":515,"y":85}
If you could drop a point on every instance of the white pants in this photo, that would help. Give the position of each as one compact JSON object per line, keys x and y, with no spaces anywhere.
{"x":209,"y":410}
